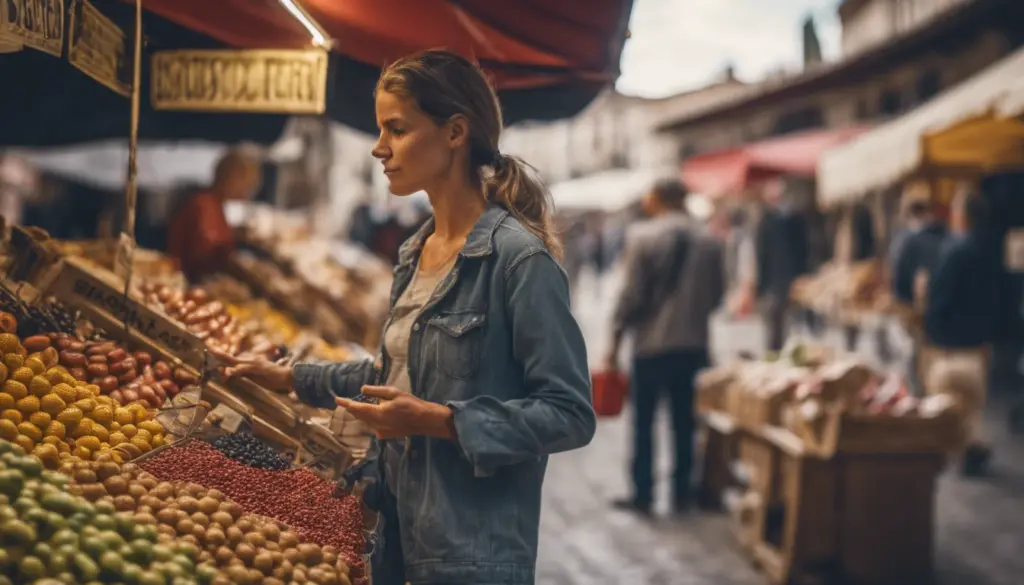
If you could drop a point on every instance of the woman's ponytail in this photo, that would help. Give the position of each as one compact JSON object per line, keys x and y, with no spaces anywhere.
{"x":515,"y":186}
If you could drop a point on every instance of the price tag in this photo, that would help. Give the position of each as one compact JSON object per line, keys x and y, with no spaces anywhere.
{"x":1014,"y":258}
{"x":226,"y":417}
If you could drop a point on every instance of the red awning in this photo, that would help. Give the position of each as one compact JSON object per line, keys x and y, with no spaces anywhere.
{"x":726,"y":171}
{"x":526,"y":43}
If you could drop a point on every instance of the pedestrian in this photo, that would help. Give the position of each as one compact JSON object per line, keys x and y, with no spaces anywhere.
{"x":483,"y":372}
{"x":961,"y":320}
{"x":674,"y":280}
{"x":782,"y":251}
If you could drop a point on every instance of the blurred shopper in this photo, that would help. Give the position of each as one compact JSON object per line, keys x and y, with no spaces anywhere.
{"x":781,"y":248}
{"x":913,"y":255}
{"x":199,"y":235}
{"x":961,"y":319}
{"x":674,"y":280}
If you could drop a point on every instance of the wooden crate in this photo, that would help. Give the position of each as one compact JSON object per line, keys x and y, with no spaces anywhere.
{"x":720,"y":435}
{"x":852,"y":433}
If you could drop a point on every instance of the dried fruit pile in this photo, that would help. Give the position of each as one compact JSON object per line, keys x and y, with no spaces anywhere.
{"x":246,"y":548}
{"x":297,"y":497}
{"x":209,"y":320}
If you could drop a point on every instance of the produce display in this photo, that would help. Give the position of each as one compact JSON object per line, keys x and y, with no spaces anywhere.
{"x":47,"y":411}
{"x":52,"y":537}
{"x":233,"y":546}
{"x":246,"y":448}
{"x":297,"y":497}
{"x":857,"y":287}
{"x":123,"y":375}
{"x":210,"y":321}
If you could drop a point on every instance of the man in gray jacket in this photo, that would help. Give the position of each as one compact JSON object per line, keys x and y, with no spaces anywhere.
{"x":674,"y":281}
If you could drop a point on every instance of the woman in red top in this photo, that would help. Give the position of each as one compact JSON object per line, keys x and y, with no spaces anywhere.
{"x":199,"y":236}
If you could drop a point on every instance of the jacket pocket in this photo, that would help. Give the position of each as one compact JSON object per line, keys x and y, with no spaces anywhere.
{"x":458,"y":341}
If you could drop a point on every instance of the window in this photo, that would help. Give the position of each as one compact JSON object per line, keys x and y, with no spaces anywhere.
{"x":929,"y":83}
{"x":890,"y":103}
{"x":796,"y":120}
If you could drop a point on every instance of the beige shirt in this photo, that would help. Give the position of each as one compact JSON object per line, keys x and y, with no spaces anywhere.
{"x":351,"y":432}
{"x":403,"y":316}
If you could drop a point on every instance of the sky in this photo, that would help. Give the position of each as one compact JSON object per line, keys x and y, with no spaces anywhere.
{"x":679,"y":45}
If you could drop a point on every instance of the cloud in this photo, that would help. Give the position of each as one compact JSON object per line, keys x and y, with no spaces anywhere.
{"x":677,"y":45}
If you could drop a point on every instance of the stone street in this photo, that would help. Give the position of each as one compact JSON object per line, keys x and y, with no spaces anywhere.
{"x":980,"y":532}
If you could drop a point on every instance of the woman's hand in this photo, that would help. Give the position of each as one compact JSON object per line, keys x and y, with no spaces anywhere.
{"x":400,"y":414}
{"x":259,"y":369}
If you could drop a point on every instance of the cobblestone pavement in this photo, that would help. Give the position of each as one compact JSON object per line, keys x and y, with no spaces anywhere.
{"x":979,"y":534}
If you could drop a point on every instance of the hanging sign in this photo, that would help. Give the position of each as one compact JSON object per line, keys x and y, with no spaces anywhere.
{"x":268,"y":81}
{"x":38,"y":23}
{"x":98,"y":48}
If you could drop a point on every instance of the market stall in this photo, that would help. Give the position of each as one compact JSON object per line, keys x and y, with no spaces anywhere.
{"x":827,"y":467}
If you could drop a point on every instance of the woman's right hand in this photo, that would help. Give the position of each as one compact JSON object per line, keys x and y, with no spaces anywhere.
{"x":264,"y":372}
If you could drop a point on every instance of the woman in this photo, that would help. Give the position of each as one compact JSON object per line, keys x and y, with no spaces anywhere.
{"x":484,"y":371}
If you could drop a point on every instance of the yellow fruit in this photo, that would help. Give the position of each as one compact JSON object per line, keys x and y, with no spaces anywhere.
{"x":94,"y":389}
{"x":64,"y":448}
{"x":52,"y":404}
{"x":47,"y":452}
{"x":144,"y":435}
{"x":100,"y":433}
{"x":82,"y":453}
{"x":142,"y":444}
{"x":129,"y":430}
{"x":40,"y":419}
{"x":65,"y":392}
{"x":152,"y":426}
{"x":15,"y":389}
{"x":22,"y":353}
{"x":8,"y":430}
{"x":28,"y":405}
{"x":90,"y":443}
{"x":55,"y":375}
{"x":68,"y":379}
{"x":70,"y":416}
{"x":6,"y":401}
{"x":39,"y":386}
{"x":105,"y":401}
{"x":114,"y":426}
{"x":115,"y":438}
{"x":31,"y":431}
{"x":56,"y":429}
{"x":23,"y":375}
{"x":82,"y":393}
{"x":3,"y":372}
{"x":25,"y":443}
{"x":36,"y":365}
{"x":12,"y":415}
{"x":9,"y":342}
{"x":13,"y":361}
{"x":50,"y":356}
{"x":84,"y":429}
{"x":102,"y":414}
{"x":52,"y":440}
{"x":117,"y":457}
{"x":124,"y":416}
{"x":158,"y":441}
{"x":85,"y":404}
{"x":138,"y":411}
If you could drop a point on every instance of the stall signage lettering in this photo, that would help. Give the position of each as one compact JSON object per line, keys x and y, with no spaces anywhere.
{"x":271,"y":81}
{"x":38,"y":23}
{"x":97,"y":47}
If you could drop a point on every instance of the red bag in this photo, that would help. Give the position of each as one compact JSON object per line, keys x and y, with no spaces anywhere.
{"x":610,"y":390}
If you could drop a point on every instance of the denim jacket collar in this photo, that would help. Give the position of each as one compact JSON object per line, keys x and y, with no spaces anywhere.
{"x":479,"y":242}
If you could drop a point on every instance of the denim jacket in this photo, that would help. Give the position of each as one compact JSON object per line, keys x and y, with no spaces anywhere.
{"x":496,"y":343}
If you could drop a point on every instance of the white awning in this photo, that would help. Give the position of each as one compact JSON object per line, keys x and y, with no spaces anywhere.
{"x":604,"y":191}
{"x":891,"y":152}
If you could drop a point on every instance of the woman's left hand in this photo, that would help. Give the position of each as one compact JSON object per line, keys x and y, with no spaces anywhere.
{"x":400,"y":414}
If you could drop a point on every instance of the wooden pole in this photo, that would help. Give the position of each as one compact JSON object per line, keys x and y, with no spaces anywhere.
{"x":126,"y":245}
